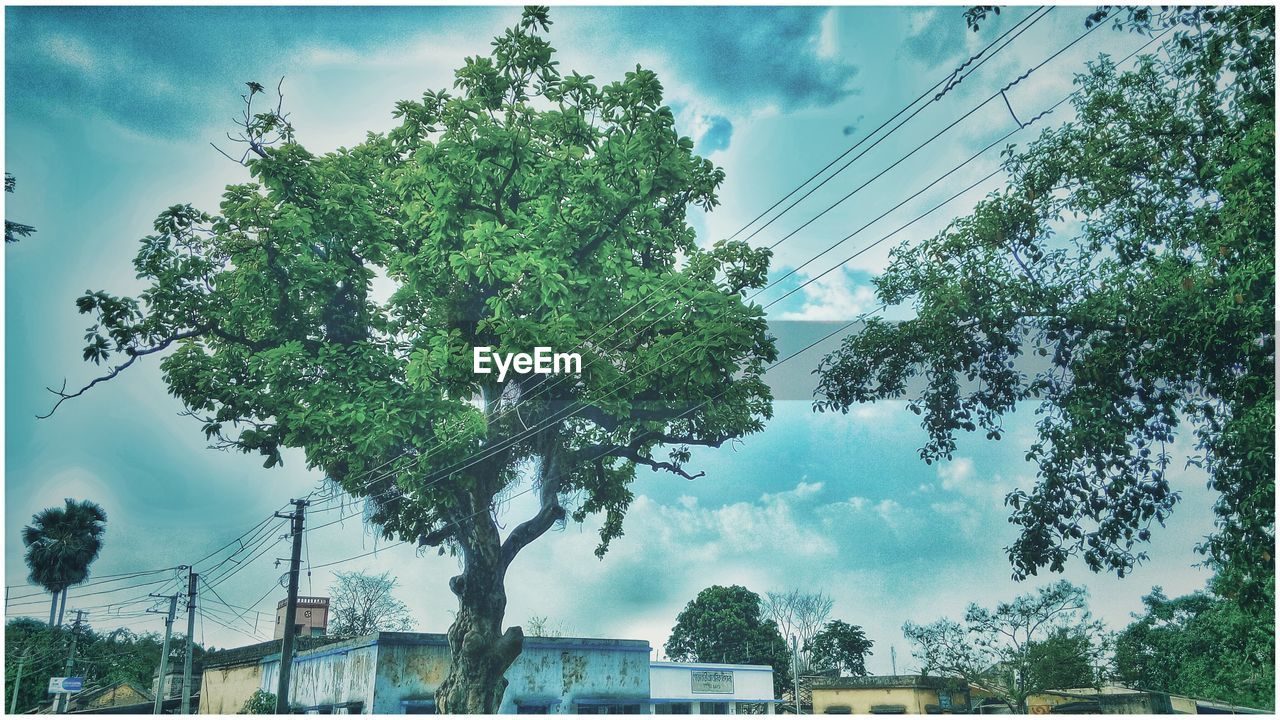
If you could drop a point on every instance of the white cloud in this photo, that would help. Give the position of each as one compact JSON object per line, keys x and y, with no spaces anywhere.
{"x":834,"y":296}
{"x":828,"y":41}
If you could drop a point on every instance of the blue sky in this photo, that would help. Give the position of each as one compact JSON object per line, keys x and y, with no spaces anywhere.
{"x":109,"y":116}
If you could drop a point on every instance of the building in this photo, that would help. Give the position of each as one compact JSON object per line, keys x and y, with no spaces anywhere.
{"x":889,"y":695}
{"x":1118,"y":700}
{"x":105,"y":698}
{"x":230,"y":676}
{"x":310,"y":619}
{"x":398,"y":673}
{"x":678,"y":688}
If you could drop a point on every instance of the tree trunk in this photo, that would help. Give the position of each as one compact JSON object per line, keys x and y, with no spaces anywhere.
{"x":53,"y":607}
{"x":481,"y":652}
{"x":62,"y":607}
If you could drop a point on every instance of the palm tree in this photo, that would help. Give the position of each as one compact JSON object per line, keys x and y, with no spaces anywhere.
{"x":61,"y":544}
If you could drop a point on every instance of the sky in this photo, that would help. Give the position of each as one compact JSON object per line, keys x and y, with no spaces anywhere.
{"x":110,"y":115}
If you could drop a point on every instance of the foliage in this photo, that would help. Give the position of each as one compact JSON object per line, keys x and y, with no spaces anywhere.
{"x":362,"y":604}
{"x":839,"y":647}
{"x":1124,"y":281}
{"x":798,"y":614}
{"x":1201,"y":645}
{"x":1009,"y":650}
{"x":102,"y":658}
{"x":63,"y":542}
{"x":14,"y":231}
{"x":260,"y":702}
{"x":1066,"y":659}
{"x":728,"y":625}
{"x":529,"y":208}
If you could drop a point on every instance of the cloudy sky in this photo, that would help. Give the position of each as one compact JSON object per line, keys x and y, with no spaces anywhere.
{"x":109,"y":118}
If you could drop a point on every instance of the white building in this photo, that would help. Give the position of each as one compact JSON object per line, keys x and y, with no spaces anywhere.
{"x":679,"y":688}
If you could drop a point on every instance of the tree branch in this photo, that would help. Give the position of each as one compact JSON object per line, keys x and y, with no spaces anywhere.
{"x":133,"y":353}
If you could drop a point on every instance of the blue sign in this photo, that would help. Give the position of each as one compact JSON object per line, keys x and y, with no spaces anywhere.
{"x":66,"y":684}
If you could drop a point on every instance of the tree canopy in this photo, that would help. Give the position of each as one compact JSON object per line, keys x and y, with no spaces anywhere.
{"x":61,"y":543}
{"x":1122,"y":283}
{"x":727,"y":625}
{"x":333,"y":302}
{"x":1201,"y":645}
{"x":1017,"y":649}
{"x":102,"y":658}
{"x":839,"y":647}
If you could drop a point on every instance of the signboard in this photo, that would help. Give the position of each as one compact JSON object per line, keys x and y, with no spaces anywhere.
{"x":944,"y":700}
{"x":712,"y":681}
{"x":66,"y":684}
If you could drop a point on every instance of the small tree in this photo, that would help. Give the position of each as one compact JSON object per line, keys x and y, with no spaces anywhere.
{"x":542,"y":626}
{"x":839,"y":647}
{"x":798,"y":614}
{"x":999,"y":649}
{"x":362,"y":604}
{"x":727,"y":625}
{"x":260,"y":702}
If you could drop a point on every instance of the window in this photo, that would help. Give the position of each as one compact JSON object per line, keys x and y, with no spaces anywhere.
{"x":715,"y":708}
{"x":533,"y":709}
{"x":752,"y":708}
{"x":613,"y":709}
{"x":418,"y":707}
{"x":680,"y":708}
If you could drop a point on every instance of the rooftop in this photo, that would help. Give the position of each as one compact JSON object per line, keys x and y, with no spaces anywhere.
{"x":882,"y":681}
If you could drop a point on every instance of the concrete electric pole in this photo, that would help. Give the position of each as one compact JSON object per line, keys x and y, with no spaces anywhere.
{"x":17,"y":683}
{"x":63,"y":698}
{"x":164,"y":652}
{"x":795,"y":670}
{"x":192,"y":579}
{"x":291,"y":607}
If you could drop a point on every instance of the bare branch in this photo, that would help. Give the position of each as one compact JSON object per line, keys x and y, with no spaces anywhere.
{"x":133,"y":354}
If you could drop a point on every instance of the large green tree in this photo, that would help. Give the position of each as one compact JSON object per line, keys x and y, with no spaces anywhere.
{"x":729,"y":625}
{"x":1122,"y":284}
{"x":1202,"y":645}
{"x":526,"y":208}
{"x":1016,"y":649}
{"x":62,"y":542}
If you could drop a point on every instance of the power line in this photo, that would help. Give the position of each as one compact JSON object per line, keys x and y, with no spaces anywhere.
{"x":952,"y":80}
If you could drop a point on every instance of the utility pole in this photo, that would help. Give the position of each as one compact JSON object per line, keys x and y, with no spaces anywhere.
{"x":164,"y":652}
{"x":795,"y":670}
{"x":17,"y":683}
{"x":291,"y":607}
{"x":192,"y":579}
{"x":893,"y":658}
{"x":71,"y":657}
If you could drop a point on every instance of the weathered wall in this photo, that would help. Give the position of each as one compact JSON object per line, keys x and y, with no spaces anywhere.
{"x":382,"y":671}
{"x":224,"y":690}
{"x":575,"y":669}
{"x":331,"y":675}
{"x":860,"y":700}
{"x":410,"y":667}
